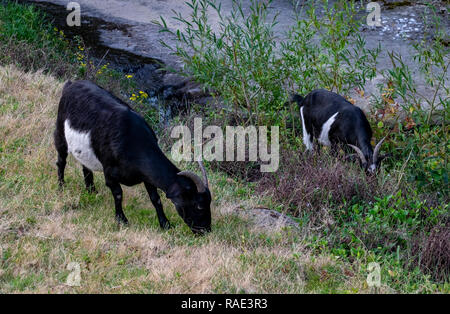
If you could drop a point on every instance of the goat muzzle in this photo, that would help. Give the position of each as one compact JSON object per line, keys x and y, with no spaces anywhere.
{"x":201,"y":185}
{"x":377,"y":150}
{"x":359,"y":152}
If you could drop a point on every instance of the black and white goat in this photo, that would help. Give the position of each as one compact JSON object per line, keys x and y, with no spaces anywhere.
{"x":105,"y":134}
{"x":330,"y":119}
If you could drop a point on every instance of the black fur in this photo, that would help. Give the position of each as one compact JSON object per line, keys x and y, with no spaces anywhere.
{"x":350,"y":127}
{"x":128,"y":150}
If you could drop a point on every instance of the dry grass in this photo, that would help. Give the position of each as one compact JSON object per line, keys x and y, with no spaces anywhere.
{"x":29,"y":57}
{"x":42,"y":230}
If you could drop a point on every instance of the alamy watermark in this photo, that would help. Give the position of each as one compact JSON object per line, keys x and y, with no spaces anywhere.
{"x":234,"y":141}
{"x":374,"y":276}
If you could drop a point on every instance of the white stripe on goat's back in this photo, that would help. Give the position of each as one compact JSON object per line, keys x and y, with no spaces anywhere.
{"x":324,"y":139}
{"x":306,"y":136}
{"x":79,"y":145}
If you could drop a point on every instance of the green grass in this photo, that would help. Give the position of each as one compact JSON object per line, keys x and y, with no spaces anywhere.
{"x":43,"y":229}
{"x":30,"y":41}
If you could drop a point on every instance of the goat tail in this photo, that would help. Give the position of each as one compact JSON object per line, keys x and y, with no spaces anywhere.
{"x":68,"y":83}
{"x":298,"y":99}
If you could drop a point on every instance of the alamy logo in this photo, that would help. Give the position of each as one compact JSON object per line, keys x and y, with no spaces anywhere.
{"x":74,"y":278}
{"x":374,"y":17}
{"x":235,"y":140}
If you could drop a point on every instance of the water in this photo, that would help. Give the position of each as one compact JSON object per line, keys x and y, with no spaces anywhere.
{"x":125,"y":29}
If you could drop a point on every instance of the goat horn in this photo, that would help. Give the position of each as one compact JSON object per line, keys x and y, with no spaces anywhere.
{"x":377,"y":150}
{"x":360,"y":153}
{"x":205,"y":177}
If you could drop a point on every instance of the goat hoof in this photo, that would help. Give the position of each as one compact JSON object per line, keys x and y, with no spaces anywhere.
{"x":92,"y":190}
{"x":165,"y":225}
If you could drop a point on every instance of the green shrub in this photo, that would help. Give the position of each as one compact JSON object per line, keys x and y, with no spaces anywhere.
{"x":29,"y":40}
{"x":386,"y":223}
{"x":239,"y":63}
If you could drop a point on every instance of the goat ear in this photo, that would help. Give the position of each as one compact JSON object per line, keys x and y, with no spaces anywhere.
{"x":351,"y":157}
{"x":173,"y":191}
{"x":384,"y":156}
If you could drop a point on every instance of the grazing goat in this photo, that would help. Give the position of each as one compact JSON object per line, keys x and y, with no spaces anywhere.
{"x":105,"y":134}
{"x":331,"y":119}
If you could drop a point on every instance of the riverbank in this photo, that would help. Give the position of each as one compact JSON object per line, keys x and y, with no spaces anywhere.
{"x":340,"y":220}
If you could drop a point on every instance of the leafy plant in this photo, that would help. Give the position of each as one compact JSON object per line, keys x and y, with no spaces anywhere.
{"x":30,"y":41}
{"x":239,"y":62}
{"x":327,"y":51}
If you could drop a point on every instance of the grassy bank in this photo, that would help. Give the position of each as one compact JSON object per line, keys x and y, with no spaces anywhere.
{"x":30,"y":41}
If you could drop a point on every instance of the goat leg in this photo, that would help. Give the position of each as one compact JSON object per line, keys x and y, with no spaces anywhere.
{"x":116,"y":191}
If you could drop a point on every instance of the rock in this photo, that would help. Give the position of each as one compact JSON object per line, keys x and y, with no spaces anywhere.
{"x":148,"y":75}
{"x":395,"y":3}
